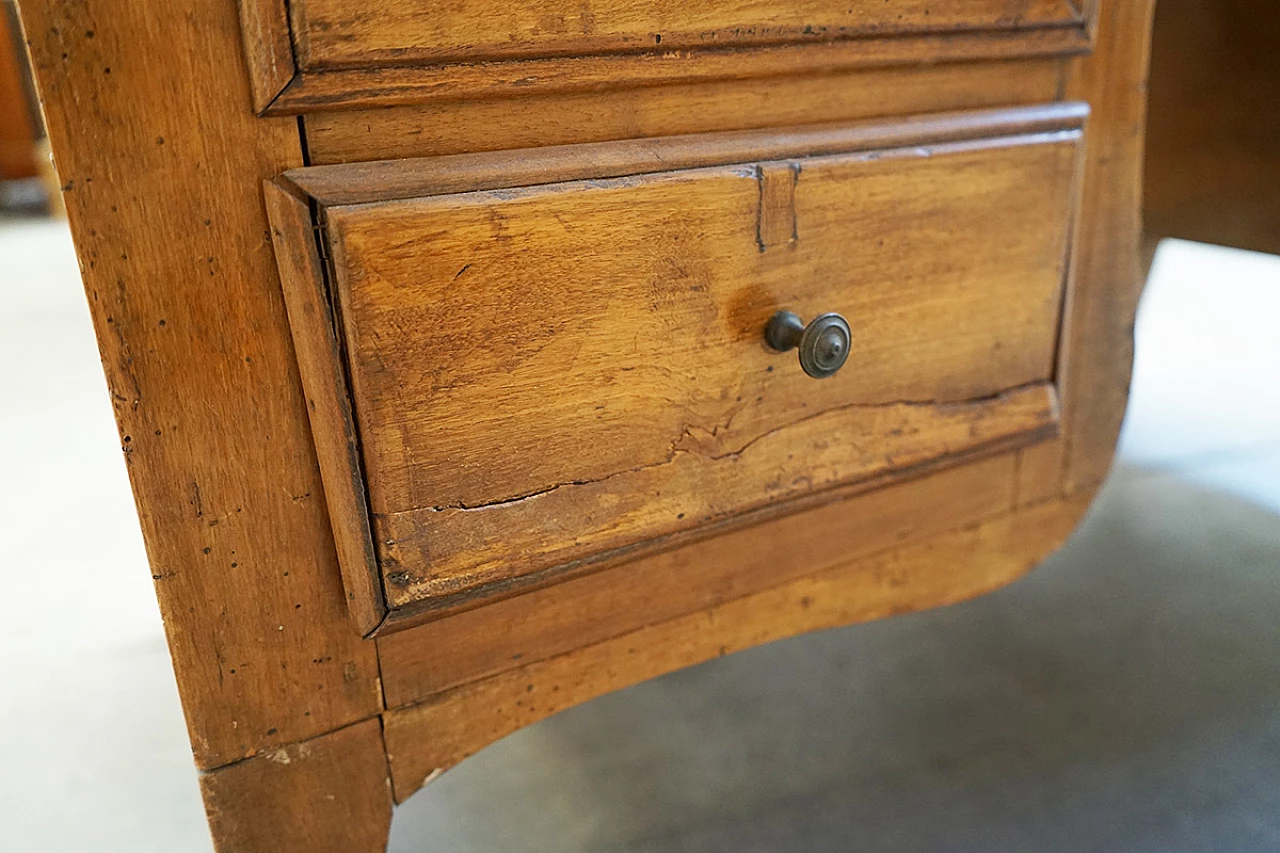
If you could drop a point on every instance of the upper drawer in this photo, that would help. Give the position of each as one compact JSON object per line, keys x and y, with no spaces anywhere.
{"x":333,"y":52}
{"x":556,"y":357}
{"x":334,"y":33}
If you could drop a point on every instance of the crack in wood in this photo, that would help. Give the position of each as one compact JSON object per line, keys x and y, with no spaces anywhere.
{"x":675,"y":450}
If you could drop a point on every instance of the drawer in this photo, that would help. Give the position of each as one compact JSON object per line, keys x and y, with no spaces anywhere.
{"x":317,"y":54}
{"x":532,"y":364}
{"x":334,"y":33}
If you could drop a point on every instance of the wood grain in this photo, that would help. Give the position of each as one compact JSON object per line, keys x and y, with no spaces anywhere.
{"x":268,"y":48}
{"x":504,"y":635}
{"x":349,"y":88}
{"x":1040,"y":472}
{"x":669,"y":419}
{"x":162,"y":164}
{"x":328,"y":402}
{"x":430,"y":130}
{"x":330,"y":794}
{"x":776,"y":221}
{"x":446,"y":558}
{"x":334,"y":33}
{"x":937,"y":571}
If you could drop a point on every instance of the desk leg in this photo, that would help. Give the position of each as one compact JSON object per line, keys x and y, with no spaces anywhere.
{"x":330,"y":794}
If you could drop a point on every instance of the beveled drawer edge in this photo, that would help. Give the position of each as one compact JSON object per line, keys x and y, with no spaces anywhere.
{"x":333,"y":428}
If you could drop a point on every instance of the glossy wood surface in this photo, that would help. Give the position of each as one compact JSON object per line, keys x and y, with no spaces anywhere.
{"x":1097,"y":346}
{"x":404,"y":178}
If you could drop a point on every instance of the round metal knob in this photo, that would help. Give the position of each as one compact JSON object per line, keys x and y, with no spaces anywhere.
{"x":824,"y":344}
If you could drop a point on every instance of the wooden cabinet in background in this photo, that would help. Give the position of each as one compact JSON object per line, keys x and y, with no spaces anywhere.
{"x":1213,"y":146}
{"x":439,"y":350}
{"x":18,"y":137}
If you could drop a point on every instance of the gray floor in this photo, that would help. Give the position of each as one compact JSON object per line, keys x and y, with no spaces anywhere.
{"x":1125,"y":696}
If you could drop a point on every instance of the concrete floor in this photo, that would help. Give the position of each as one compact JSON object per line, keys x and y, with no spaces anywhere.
{"x":1125,"y":696}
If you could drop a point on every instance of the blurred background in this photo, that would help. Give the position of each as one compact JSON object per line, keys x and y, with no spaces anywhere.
{"x":1125,"y":696}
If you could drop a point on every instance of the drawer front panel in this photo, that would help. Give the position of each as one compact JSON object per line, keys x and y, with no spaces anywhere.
{"x":546,"y":377}
{"x":337,"y":33}
{"x":315,"y":55}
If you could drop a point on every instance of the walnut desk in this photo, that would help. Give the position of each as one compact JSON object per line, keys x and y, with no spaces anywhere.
{"x":472,"y":360}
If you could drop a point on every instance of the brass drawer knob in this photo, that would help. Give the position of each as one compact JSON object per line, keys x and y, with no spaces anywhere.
{"x":824,"y":343}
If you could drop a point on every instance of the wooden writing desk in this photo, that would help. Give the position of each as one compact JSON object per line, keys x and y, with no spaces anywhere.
{"x":437,"y":342}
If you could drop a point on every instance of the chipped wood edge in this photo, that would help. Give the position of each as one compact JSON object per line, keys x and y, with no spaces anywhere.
{"x":324,"y":381}
{"x":329,"y":794}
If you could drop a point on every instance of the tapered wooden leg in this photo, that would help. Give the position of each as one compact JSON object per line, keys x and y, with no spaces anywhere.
{"x":327,"y":795}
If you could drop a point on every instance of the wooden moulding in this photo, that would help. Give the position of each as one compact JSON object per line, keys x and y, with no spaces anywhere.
{"x":1106,"y":281}
{"x":458,"y":127}
{"x":342,"y":63}
{"x":363,"y":183}
{"x":328,"y":403}
{"x":365,"y":505}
